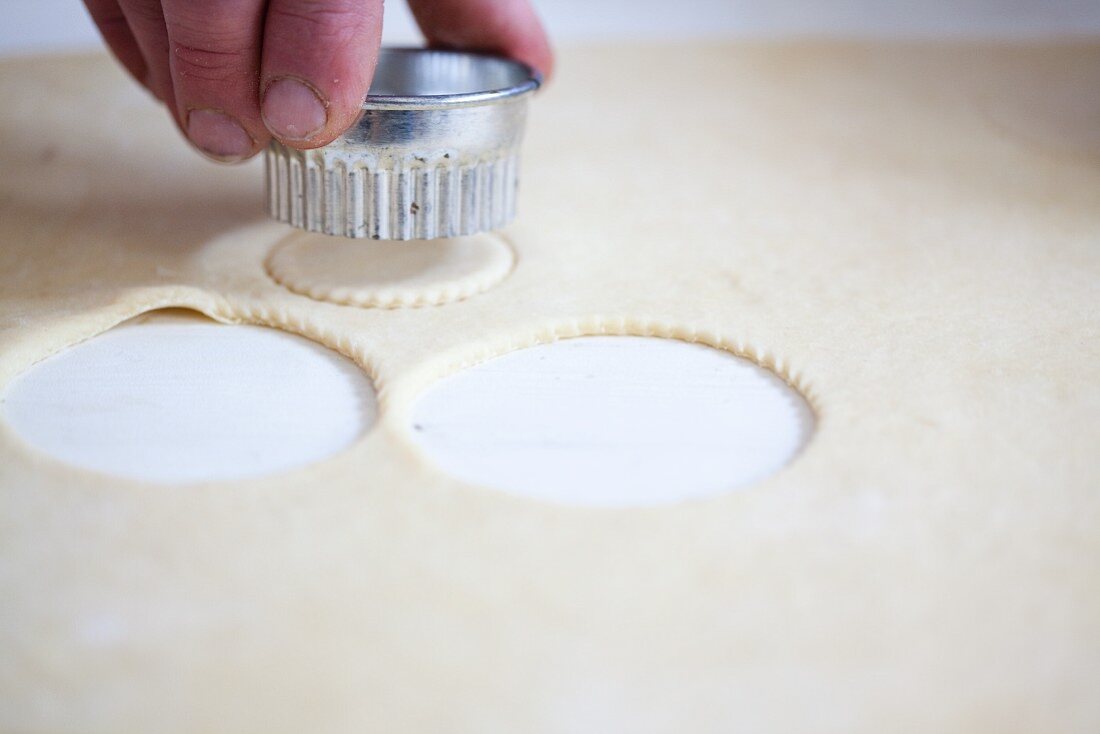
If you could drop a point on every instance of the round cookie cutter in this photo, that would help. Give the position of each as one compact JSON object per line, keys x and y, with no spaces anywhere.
{"x":434,"y":154}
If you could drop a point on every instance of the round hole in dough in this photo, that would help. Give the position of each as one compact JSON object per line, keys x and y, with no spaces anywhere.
{"x":384,"y":274}
{"x":172,"y":397}
{"x":613,"y":421}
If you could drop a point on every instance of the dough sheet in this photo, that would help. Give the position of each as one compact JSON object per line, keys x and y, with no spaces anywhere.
{"x":894,"y":229}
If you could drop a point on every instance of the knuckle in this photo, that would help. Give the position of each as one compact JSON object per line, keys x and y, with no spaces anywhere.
{"x":210,"y":62}
{"x":211,"y":43}
{"x":113,"y":22}
{"x":334,"y":24}
{"x":143,"y":14}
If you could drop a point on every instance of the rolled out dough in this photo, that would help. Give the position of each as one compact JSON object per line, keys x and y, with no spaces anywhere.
{"x":916,"y":254}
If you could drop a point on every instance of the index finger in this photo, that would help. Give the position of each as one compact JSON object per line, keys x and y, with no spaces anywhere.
{"x":507,"y":27}
{"x":318,"y":61}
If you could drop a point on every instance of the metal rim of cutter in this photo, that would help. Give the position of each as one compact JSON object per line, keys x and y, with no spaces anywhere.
{"x":419,"y":78}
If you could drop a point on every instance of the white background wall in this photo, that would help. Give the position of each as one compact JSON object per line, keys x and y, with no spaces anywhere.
{"x":34,"y":25}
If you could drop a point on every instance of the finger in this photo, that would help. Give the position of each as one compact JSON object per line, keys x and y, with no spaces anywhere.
{"x":147,"y":24}
{"x":507,"y":27}
{"x":318,"y":60}
{"x":108,"y":17}
{"x":215,"y":67}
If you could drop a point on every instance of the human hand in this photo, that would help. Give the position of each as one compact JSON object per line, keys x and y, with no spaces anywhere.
{"x":235,"y":73}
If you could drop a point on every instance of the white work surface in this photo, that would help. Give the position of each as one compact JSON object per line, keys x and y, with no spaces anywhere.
{"x":540,"y":423}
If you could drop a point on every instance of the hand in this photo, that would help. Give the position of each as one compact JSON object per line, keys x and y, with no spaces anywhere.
{"x":235,"y":73}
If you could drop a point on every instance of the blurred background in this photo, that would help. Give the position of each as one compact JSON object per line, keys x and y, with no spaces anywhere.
{"x":43,"y":25}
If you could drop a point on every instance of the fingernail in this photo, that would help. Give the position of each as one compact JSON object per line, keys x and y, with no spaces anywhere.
{"x":292,"y":110}
{"x":218,"y":135}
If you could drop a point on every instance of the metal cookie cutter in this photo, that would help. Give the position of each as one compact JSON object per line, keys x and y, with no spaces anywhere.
{"x":434,"y":154}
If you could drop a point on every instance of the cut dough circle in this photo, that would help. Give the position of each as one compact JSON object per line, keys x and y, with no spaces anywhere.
{"x":613,"y":421}
{"x":381,"y":274}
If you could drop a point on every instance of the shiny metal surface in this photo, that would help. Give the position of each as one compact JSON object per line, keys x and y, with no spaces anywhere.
{"x":434,"y":154}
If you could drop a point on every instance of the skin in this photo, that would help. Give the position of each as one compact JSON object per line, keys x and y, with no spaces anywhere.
{"x":235,"y":73}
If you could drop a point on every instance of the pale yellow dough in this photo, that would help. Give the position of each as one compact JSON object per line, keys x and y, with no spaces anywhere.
{"x":389,"y":274}
{"x":889,"y":227}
